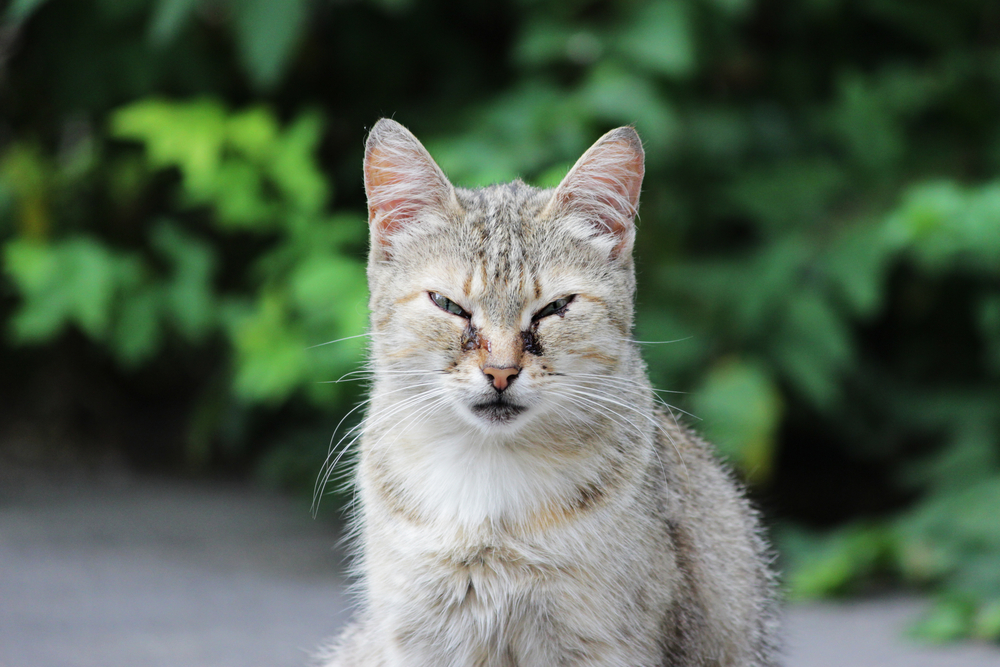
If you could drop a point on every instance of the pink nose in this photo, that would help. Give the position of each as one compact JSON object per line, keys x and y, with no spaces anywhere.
{"x":501,"y":376}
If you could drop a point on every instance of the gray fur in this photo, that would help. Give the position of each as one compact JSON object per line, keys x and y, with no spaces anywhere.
{"x":588,"y":529}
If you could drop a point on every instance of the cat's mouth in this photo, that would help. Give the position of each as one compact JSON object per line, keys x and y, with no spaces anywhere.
{"x":499,"y":411}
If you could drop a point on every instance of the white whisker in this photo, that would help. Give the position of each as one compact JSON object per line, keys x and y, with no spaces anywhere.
{"x":339,"y":340}
{"x":326,"y":470}
{"x":594,"y":394}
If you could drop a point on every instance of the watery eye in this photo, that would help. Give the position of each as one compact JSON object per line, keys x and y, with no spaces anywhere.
{"x":557,"y":307}
{"x":446,"y":304}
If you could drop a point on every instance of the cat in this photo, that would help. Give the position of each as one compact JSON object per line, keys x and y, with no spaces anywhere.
{"x":524,"y":501}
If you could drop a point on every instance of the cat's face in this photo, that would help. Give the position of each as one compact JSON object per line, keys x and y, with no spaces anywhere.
{"x":500,"y":305}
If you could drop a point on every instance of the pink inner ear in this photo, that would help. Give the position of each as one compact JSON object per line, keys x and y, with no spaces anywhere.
{"x":387,"y":213}
{"x":401,"y":180}
{"x":616,"y":193}
{"x":605,"y":183}
{"x":391,"y":202}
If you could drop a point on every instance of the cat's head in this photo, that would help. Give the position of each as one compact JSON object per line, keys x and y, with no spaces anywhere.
{"x":501,"y":304}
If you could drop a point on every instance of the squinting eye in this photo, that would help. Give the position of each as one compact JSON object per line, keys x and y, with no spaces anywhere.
{"x":557,"y":307}
{"x":446,"y":304}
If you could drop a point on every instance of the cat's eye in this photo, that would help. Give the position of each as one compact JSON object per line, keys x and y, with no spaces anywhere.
{"x":557,"y":307}
{"x":446,"y":304}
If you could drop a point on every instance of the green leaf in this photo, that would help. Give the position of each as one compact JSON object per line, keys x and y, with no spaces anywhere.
{"x":137,"y":333}
{"x":239,"y":197}
{"x":188,"y":297}
{"x":970,"y":455}
{"x":253,"y":133}
{"x":189,"y":136}
{"x":318,"y":282}
{"x":74,"y":281}
{"x":659,"y":38}
{"x":867,"y":126}
{"x":957,"y":528}
{"x":943,"y":223}
{"x":832,"y":564}
{"x":266,"y":34}
{"x":947,"y":620}
{"x":271,"y":358}
{"x":294,"y":168}
{"x":543,"y":42}
{"x":791,"y":194}
{"x":741,"y":408}
{"x":986,"y":624}
{"x":28,"y":175}
{"x":812,"y":347}
{"x":615,"y":95}
{"x":857,"y":264}
{"x":19,"y":10}
{"x":168,"y":19}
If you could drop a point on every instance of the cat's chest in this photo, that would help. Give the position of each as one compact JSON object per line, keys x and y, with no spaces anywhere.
{"x":500,"y":604}
{"x":493,"y":574}
{"x":454,"y":481}
{"x":495,"y":552}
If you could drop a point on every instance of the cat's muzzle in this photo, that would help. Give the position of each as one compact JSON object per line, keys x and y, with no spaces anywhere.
{"x":498,"y":411}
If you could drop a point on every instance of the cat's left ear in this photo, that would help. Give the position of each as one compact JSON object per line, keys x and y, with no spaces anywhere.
{"x":404,"y":185}
{"x":600,"y":194}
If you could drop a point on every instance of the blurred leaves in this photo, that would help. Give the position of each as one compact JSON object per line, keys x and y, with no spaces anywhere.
{"x":948,"y":225}
{"x":257,"y":177}
{"x":819,"y":233}
{"x":831,"y":564}
{"x":112,"y":296}
{"x":741,"y":409}
{"x":243,"y":174}
{"x":29,"y":180}
{"x":240,"y":164}
{"x":266,"y":32}
{"x":167,"y":19}
{"x":950,"y":541}
{"x":18,"y":10}
{"x":659,"y":38}
{"x":72,"y":282}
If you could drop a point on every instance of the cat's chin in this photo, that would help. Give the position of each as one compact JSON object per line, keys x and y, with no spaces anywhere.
{"x":498,"y":413}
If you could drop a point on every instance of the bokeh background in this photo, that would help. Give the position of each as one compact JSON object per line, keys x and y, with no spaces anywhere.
{"x":182,"y":224}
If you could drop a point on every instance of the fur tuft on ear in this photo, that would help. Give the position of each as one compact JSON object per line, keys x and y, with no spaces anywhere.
{"x":603,"y":187}
{"x":402,"y":181}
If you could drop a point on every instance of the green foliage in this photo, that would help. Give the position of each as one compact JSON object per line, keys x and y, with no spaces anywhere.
{"x":257,"y":178}
{"x":266,"y":31}
{"x":231,"y":163}
{"x":18,"y":10}
{"x":950,"y":542}
{"x":834,"y":563}
{"x":240,"y":174}
{"x":113,"y":297}
{"x":819,"y":233}
{"x":741,"y":408}
{"x":72,"y":282}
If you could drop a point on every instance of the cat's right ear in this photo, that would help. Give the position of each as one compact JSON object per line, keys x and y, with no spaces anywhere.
{"x":600,"y":194}
{"x":403,"y":183}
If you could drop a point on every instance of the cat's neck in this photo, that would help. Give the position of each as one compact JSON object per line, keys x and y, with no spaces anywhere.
{"x":443,"y":471}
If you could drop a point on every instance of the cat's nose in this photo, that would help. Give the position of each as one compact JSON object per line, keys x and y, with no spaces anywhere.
{"x":501,"y":377}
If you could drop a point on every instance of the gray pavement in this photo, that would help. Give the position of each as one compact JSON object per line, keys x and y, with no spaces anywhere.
{"x":113,"y":570}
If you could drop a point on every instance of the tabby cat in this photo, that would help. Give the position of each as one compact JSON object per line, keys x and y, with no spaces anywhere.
{"x":524,"y":500}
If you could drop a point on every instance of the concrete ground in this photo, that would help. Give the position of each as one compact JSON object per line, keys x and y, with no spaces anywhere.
{"x":138,"y":572}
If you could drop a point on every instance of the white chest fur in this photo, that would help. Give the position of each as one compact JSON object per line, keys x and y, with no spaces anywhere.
{"x":475,"y":556}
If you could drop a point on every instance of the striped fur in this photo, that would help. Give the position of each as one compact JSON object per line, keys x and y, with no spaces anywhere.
{"x":577,"y":524}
